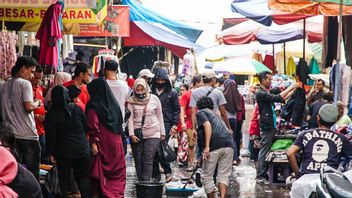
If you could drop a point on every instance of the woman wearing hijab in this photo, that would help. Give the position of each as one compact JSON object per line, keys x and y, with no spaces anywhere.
{"x":59,"y":79}
{"x":153,"y":128}
{"x":104,"y":118}
{"x":233,"y":106}
{"x":67,"y":145}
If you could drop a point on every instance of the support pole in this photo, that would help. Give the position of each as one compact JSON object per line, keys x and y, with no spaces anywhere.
{"x":274,"y":72}
{"x":304,"y":39}
{"x":285,"y":58}
{"x":338,"y":57}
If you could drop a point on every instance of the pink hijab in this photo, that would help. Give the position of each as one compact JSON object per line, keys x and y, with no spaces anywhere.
{"x":59,"y":79}
{"x":8,"y":172}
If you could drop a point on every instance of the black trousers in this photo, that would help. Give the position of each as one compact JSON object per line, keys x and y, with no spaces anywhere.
{"x":29,"y":154}
{"x":80,"y":171}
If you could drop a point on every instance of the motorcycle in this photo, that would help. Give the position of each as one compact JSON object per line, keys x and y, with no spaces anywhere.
{"x":334,"y":184}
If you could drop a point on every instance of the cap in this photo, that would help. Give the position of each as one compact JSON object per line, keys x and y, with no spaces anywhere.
{"x":328,"y":113}
{"x":146,"y":72}
{"x":209,"y":74}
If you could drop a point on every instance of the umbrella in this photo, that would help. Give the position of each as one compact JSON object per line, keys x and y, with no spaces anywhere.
{"x":308,"y":7}
{"x":240,"y":66}
{"x":258,"y":11}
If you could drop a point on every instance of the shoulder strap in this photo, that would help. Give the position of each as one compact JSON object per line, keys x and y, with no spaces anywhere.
{"x":144,"y":114}
{"x":209,"y":92}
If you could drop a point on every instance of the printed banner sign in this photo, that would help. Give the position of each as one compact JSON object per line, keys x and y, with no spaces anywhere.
{"x":74,"y":15}
{"x":116,"y":23}
{"x":44,"y":3}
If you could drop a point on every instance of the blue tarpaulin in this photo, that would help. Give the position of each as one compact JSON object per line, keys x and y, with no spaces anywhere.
{"x":256,"y":10}
{"x":139,"y":13}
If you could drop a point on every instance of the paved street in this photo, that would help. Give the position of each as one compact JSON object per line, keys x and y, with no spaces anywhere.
{"x":242,"y":184}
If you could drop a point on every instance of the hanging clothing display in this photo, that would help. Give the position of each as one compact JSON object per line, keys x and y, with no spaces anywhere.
{"x":99,"y":61}
{"x":258,"y":57}
{"x":269,"y":62}
{"x":344,"y":83}
{"x":302,"y":71}
{"x":291,"y":67}
{"x":313,"y":69}
{"x":49,"y":34}
{"x":8,"y":56}
{"x":67,"y":46}
{"x":294,"y":108}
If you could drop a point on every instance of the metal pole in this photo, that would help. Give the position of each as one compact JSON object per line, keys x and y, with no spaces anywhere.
{"x":338,"y":57}
{"x":274,"y":72}
{"x":304,"y":39}
{"x":285,"y":58}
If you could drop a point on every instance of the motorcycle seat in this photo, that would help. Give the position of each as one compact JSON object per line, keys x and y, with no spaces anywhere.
{"x":338,"y":185}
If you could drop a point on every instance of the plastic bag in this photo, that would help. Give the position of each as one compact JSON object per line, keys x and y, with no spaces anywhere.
{"x":282,"y":144}
{"x":166,"y":153}
{"x":52,"y":183}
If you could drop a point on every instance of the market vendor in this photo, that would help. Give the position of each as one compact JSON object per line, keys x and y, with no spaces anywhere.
{"x":267,"y":121}
{"x":316,"y":92}
{"x":321,"y":147}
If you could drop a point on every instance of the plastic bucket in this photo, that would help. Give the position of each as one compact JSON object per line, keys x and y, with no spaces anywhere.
{"x":149,"y":189}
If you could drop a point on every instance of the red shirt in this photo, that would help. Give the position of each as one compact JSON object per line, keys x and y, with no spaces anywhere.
{"x":84,"y":96}
{"x":38,"y":93}
{"x":184,"y":103}
{"x":254,"y":127}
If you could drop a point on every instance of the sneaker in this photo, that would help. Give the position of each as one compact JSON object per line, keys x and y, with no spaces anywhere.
{"x":262,"y":181}
{"x":198,"y":178}
{"x":200,"y":193}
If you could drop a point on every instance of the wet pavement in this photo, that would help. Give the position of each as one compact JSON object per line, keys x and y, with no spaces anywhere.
{"x":242,"y":182}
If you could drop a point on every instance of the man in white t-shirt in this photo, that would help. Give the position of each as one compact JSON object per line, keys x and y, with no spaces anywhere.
{"x":118,"y":87}
{"x":17,"y":108}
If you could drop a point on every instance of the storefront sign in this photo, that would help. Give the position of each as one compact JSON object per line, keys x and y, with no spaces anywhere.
{"x":116,"y":23}
{"x":36,"y":15}
{"x":43,"y":3}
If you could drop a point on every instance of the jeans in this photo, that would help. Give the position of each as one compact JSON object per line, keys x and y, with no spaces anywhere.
{"x":29,"y":154}
{"x":233,"y":125}
{"x":166,"y":166}
{"x":44,"y":158}
{"x":266,"y":142}
{"x":80,"y":171}
{"x":143,"y":154}
{"x":238,"y":137}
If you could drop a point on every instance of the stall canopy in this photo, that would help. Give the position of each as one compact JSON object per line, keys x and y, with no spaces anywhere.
{"x":249,"y":31}
{"x":148,"y":28}
{"x":262,"y":14}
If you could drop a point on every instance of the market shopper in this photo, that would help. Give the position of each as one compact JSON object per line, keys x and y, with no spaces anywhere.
{"x":120,"y":90}
{"x":104,"y":118}
{"x":209,"y":80}
{"x":59,"y":79}
{"x":17,"y":106}
{"x":217,"y":145}
{"x":186,"y":120}
{"x":146,"y":129}
{"x":267,"y":119}
{"x":39,"y":113}
{"x":314,"y":110}
{"x":66,"y":140}
{"x":234,"y":106}
{"x":81,"y":78}
{"x":147,"y":75}
{"x":320,"y":147}
{"x":162,"y":88}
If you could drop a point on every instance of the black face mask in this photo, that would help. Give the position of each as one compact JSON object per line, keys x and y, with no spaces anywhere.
{"x":140,"y":96}
{"x":160,"y":85}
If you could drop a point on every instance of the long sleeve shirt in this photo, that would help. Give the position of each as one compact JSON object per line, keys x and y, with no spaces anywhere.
{"x":153,"y":124}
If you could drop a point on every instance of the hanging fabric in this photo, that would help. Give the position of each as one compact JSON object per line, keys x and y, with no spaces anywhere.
{"x":50,"y":35}
{"x":269,"y":62}
{"x":291,"y":67}
{"x":302,"y":71}
{"x":313,"y":69}
{"x":8,"y":55}
{"x":258,"y":57}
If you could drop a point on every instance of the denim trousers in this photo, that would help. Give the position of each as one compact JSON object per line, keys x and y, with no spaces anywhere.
{"x":29,"y":155}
